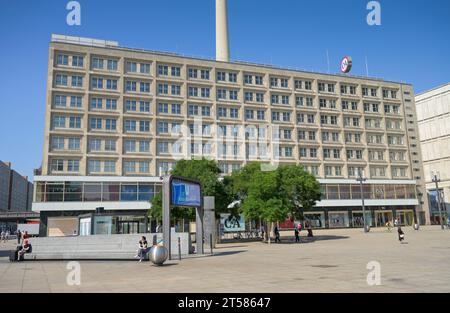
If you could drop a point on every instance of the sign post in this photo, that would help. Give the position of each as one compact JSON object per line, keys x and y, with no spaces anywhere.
{"x":182,"y":192}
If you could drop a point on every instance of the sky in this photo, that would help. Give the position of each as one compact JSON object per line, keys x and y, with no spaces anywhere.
{"x":412,"y":44}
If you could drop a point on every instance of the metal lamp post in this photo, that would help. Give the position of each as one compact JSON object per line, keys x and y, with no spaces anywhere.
{"x":436,"y":179}
{"x":361,"y":179}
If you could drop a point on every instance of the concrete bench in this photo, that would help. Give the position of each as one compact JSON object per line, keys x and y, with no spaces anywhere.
{"x":97,"y":247}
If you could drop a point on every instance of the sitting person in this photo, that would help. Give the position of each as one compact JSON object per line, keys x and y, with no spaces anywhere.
{"x":25,"y":248}
{"x":142,"y":249}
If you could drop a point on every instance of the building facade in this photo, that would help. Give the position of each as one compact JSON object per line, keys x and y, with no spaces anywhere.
{"x":115,"y":114}
{"x":16,"y":197}
{"x":433,"y":114}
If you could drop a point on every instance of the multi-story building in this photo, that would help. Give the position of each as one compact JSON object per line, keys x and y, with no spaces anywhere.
{"x":433,"y":114}
{"x":118,"y":118}
{"x":16,"y":197}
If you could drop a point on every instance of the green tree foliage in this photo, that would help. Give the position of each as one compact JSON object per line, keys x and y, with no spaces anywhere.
{"x":207,"y":173}
{"x":272,"y":195}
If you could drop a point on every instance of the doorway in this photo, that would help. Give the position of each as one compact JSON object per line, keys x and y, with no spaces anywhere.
{"x":382,"y":217}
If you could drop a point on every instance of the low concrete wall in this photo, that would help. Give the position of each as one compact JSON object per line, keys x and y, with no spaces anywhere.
{"x":118,"y":247}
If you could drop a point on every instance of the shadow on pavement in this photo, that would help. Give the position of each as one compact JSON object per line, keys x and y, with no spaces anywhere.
{"x":225,"y":253}
{"x":303,"y":240}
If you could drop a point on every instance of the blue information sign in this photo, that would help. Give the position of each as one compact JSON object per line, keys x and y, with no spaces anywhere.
{"x":185,"y":193}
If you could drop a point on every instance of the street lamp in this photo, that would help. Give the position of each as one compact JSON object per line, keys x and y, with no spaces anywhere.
{"x":361,"y":179}
{"x":435,"y":177}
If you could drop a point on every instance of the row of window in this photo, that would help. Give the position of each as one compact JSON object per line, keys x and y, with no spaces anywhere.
{"x":221,"y":75}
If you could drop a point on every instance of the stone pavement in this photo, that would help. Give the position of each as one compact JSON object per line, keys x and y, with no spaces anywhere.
{"x":334,"y":262}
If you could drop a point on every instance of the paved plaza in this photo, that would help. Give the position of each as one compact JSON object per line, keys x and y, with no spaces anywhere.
{"x":335,"y":261}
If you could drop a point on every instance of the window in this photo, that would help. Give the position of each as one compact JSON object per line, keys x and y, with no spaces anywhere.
{"x":221,"y":94}
{"x":131,"y":67}
{"x":144,"y":126}
{"x":73,"y":166}
{"x":163,"y":70}
{"x":221,"y":76}
{"x":193,"y":92}
{"x":205,"y":92}
{"x":61,"y":80}
{"x":232,"y":77}
{"x":77,"y":81}
{"x":192,"y":73}
{"x":97,"y":63}
{"x":175,"y":90}
{"x":273,"y":82}
{"x":95,"y":123}
{"x":192,"y":110}
{"x":76,"y":101}
{"x":234,"y":113}
{"x":145,"y":87}
{"x":110,"y":124}
{"x":111,"y":84}
{"x":74,"y":144}
{"x":248,"y":96}
{"x":144,"y":106}
{"x":233,"y":94}
{"x":97,"y":83}
{"x":130,"y":166}
{"x":110,"y":145}
{"x":258,"y":80}
{"x":58,"y":143}
{"x":163,"y":89}
{"x":144,"y":146}
{"x":249,"y":114}
{"x":130,"y":125}
{"x":95,"y":145}
{"x":130,"y":105}
{"x":75,"y":122}
{"x":284,"y":82}
{"x":260,"y":115}
{"x":112,"y":65}
{"x":162,"y":147}
{"x":94,"y":166}
{"x":163,"y":127}
{"x":176,"y":108}
{"x":60,"y":101}
{"x":57,"y":165}
{"x":145,"y":68}
{"x":62,"y":59}
{"x":130,"y":146}
{"x":204,"y":74}
{"x":109,"y":166}
{"x":77,"y":61}
{"x":130,"y":86}
{"x":144,"y":167}
{"x":206,"y":111}
{"x":175,"y":71}
{"x":163,"y":108}
{"x":259,"y":97}
{"x":248,"y":79}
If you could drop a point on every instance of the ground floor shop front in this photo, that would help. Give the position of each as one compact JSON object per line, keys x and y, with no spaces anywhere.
{"x":353,"y":217}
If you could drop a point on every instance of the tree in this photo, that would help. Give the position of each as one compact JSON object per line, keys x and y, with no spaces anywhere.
{"x":272,"y":195}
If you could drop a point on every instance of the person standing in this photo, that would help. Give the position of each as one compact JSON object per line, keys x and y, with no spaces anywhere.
{"x":277,"y":234}
{"x":7,"y":235}
{"x":262,"y":232}
{"x":309,"y":228}
{"x":3,"y":236}
{"x":296,"y":233}
{"x":19,"y":236}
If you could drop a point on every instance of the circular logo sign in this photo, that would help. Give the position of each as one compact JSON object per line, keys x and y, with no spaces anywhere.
{"x":346,"y":64}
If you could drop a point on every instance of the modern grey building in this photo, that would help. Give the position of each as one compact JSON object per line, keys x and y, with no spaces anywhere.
{"x":16,"y":197}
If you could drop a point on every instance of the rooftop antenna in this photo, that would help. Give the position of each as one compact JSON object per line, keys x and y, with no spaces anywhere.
{"x":222,"y":41}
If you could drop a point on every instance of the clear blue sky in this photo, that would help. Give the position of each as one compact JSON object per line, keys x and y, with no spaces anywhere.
{"x":412,"y":45}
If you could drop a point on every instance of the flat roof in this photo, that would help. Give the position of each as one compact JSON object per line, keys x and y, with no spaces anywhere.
{"x":433,"y":89}
{"x":100,"y":43}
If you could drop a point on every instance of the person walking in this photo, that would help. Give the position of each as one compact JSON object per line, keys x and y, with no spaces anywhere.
{"x":7,"y":235}
{"x":296,"y":233}
{"x":309,"y":228}
{"x":401,"y":234}
{"x":277,"y":234}
{"x":19,"y":236}
{"x":3,"y":236}
{"x":262,"y":232}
